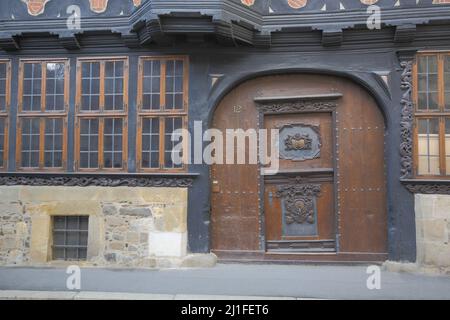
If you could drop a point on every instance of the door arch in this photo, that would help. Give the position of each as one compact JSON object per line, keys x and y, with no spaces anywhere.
{"x":351,"y":222}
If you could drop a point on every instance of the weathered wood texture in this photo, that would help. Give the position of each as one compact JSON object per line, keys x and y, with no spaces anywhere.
{"x":357,"y":155}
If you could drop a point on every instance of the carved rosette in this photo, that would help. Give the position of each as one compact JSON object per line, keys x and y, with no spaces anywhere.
{"x":97,"y":181}
{"x":406,"y":123}
{"x":299,"y":202}
{"x":298,"y":142}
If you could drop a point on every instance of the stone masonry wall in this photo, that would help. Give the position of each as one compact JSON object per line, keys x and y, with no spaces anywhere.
{"x":432,"y":213}
{"x":15,"y":231}
{"x":433,"y":231}
{"x":130,"y":227}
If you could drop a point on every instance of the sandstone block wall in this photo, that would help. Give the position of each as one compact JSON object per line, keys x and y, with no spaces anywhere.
{"x":133,"y":227}
{"x":433,"y":231}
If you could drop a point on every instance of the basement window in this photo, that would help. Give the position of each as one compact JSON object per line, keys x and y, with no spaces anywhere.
{"x":70,"y":237}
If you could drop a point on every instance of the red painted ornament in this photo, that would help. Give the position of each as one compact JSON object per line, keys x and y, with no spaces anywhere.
{"x":35,"y":7}
{"x":297,"y":4}
{"x":248,"y":3}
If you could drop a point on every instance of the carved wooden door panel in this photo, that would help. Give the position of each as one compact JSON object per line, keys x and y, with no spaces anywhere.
{"x":328,"y":202}
{"x":299,"y":200}
{"x":234,"y":196}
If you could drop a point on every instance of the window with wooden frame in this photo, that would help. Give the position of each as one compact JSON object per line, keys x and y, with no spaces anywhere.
{"x":42,"y":114}
{"x":432,"y":115}
{"x":162,"y":109}
{"x":102,"y":110}
{"x":5,"y":89}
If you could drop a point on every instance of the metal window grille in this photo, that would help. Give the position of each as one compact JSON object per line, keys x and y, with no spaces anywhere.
{"x":70,"y":237}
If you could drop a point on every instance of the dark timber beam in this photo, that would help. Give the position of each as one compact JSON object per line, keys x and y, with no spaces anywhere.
{"x":405,"y":33}
{"x":9,"y":42}
{"x":332,"y":37}
{"x":69,"y":41}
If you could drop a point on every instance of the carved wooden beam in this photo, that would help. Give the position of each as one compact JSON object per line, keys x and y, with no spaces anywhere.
{"x":405,"y":33}
{"x":98,"y":180}
{"x":332,"y":37}
{"x":427,"y":186}
{"x":406,"y":58}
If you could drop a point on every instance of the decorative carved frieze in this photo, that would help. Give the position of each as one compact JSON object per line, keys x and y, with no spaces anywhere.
{"x":298,"y":106}
{"x":406,"y":123}
{"x":98,"y":181}
{"x":428,"y":187}
{"x":299,"y":202}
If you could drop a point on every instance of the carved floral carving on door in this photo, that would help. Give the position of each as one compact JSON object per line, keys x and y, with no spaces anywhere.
{"x":299,"y":202}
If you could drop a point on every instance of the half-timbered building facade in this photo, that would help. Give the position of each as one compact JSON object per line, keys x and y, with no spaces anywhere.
{"x":92,"y":92}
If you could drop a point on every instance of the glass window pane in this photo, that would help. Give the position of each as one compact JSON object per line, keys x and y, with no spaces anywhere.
{"x":447,"y":144}
{"x":3,"y":78}
{"x":72,"y":223}
{"x":84,"y":223}
{"x":31,"y":95}
{"x":71,"y":254}
{"x":72,"y":237}
{"x":447,"y":81}
{"x":53,"y":143}
{"x":428,"y":147}
{"x":2,"y":141}
{"x":59,"y":222}
{"x":171,"y":125}
{"x":59,"y":238}
{"x":174,"y":84}
{"x":150,"y":143}
{"x":82,"y":254}
{"x":114,"y":85}
{"x":58,"y":254}
{"x":89,"y":143}
{"x":3,"y":70}
{"x":427,"y":86}
{"x":2,"y":103}
{"x":55,"y":87}
{"x":30,"y":142}
{"x":90,"y":86}
{"x":113,"y":143}
{"x":151,"y":85}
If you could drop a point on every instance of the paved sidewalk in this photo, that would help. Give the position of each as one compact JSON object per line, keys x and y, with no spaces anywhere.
{"x":83,"y":295}
{"x":318,"y":282}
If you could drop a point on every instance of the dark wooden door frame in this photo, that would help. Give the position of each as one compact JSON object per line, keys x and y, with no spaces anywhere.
{"x":303,"y":104}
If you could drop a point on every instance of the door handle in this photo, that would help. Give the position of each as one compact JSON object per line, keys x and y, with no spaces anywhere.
{"x":215,"y":186}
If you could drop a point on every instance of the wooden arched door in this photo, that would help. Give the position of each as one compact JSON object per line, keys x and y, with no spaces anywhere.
{"x":328,"y":200}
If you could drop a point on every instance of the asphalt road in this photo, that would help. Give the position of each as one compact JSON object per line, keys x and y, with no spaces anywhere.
{"x":320,"y":282}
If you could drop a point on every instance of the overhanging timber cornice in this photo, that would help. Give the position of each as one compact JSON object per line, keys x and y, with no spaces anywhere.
{"x":157,"y":21}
